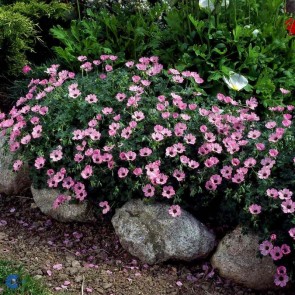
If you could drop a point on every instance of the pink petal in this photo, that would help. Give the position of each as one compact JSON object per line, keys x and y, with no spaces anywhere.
{"x":179,"y":283}
{"x":49,"y":272}
{"x":66,"y":283}
{"x":89,"y":290}
{"x":57,"y":266}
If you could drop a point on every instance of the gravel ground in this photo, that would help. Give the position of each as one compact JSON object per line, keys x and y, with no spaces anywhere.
{"x":72,"y":257}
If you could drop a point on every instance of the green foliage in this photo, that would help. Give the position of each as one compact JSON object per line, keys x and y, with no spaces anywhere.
{"x":19,"y":30}
{"x":28,"y":285}
{"x":16,"y":38}
{"x":36,"y":9}
{"x":247,"y":37}
{"x":127,"y":35}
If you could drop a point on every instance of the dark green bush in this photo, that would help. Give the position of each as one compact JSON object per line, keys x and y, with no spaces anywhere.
{"x":20,"y":30}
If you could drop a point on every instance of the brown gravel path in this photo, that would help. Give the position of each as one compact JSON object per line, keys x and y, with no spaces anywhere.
{"x":89,"y":256}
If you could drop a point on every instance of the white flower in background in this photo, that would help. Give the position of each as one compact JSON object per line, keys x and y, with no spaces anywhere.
{"x":225,"y":3}
{"x":235,"y":81}
{"x":255,"y":33}
{"x":206,"y":4}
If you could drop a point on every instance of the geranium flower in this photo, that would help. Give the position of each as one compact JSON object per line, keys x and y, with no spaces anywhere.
{"x":281,"y":280}
{"x":106,"y":207}
{"x":265,"y":248}
{"x":255,"y":209}
{"x":276,"y":253}
{"x":168,"y":192}
{"x":236,"y":81}
{"x":26,"y":69}
{"x":148,"y":190}
{"x":175,"y":211}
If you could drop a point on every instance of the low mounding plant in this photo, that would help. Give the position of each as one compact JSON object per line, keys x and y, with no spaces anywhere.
{"x":139,"y":130}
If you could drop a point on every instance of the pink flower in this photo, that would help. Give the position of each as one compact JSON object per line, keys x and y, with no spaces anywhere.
{"x":216,"y":179}
{"x":138,"y":116}
{"x":226,"y":172}
{"x":193,"y":164}
{"x":56,"y":155}
{"x":260,"y":146}
{"x":37,"y":130}
{"x":273,"y":193}
{"x":281,"y":270}
{"x":87,"y":66}
{"x":292,"y":233}
{"x":175,"y":211}
{"x":250,"y":162}
{"x":265,"y":248}
{"x":168,"y":192}
{"x":285,"y":194}
{"x":107,"y":111}
{"x":26,"y":69}
{"x":106,"y":207}
{"x":179,"y":175}
{"x":273,"y":152}
{"x":190,"y":139}
{"x":276,"y":253}
{"x":148,"y":190}
{"x":130,"y":156}
{"x":26,"y":139}
{"x":161,"y":178}
{"x":264,"y":173}
{"x":281,"y":280}
{"x":238,"y":178}
{"x":284,"y":91}
{"x":17,"y":165}
{"x":122,"y":172}
{"x":273,"y":237}
{"x":210,"y":185}
{"x":285,"y":249}
{"x":137,"y":171}
{"x":82,"y":58}
{"x":144,"y":152}
{"x":87,"y":171}
{"x":171,"y":151}
{"x":91,"y":98}
{"x":255,"y":209}
{"x":288,"y":206}
{"x":39,"y":162}
{"x":108,"y":68}
{"x":68,"y":183}
{"x":184,"y":159}
{"x":235,"y":162}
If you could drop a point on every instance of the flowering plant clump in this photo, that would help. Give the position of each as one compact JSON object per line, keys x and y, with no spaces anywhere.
{"x":139,"y":130}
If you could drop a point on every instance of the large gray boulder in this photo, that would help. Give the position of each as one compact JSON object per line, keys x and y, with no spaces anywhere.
{"x":236,"y":259}
{"x":66,"y":212}
{"x":11,"y":183}
{"x":150,"y":233}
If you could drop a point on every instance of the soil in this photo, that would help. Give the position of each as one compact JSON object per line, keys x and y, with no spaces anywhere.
{"x":89,"y":257}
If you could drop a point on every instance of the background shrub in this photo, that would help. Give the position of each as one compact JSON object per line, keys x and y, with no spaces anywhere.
{"x":247,"y":37}
{"x":21,"y":23}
